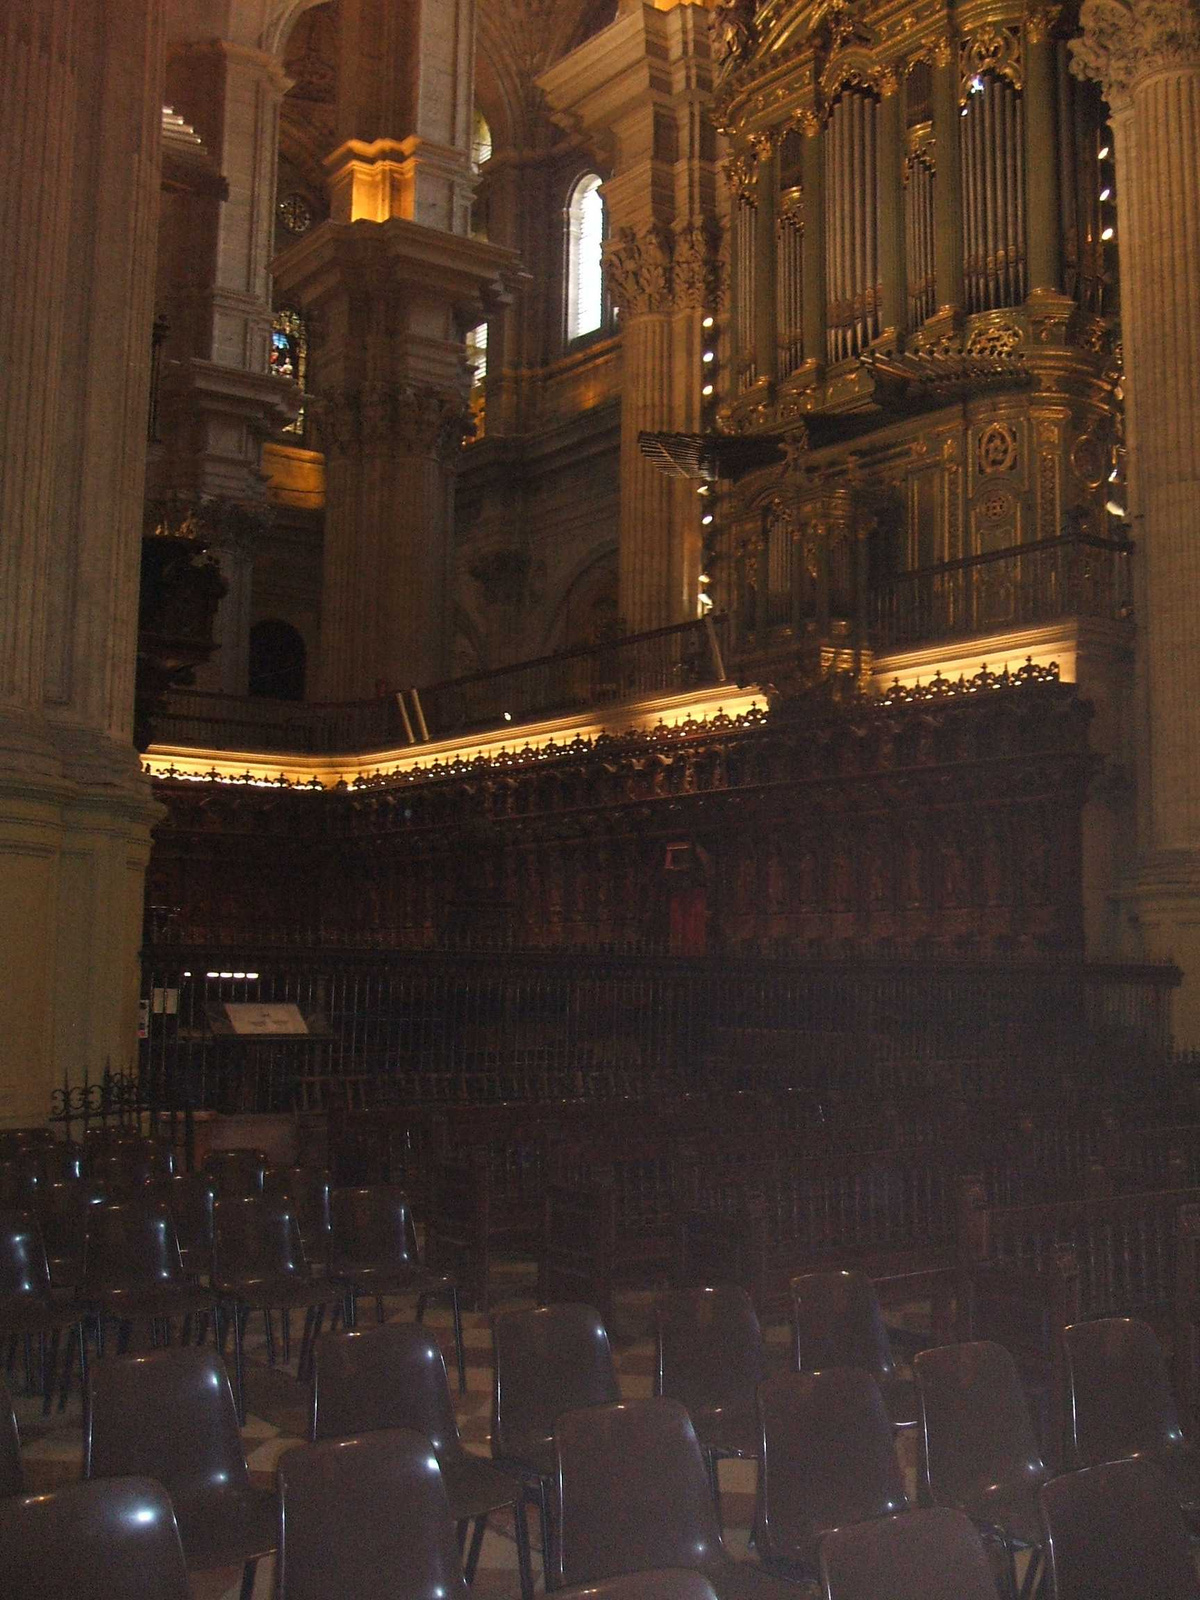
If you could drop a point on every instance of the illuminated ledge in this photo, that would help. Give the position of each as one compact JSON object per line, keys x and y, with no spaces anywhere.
{"x":1056,"y":644}
{"x":267,"y":771}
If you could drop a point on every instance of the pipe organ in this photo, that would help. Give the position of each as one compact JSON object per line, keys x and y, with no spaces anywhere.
{"x":922,"y":314}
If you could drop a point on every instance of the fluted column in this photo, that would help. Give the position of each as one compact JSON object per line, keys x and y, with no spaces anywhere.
{"x":1146,"y":55}
{"x":80,"y":123}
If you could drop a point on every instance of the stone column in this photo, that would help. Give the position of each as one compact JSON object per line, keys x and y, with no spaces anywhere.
{"x":947,"y":187}
{"x":642,"y":87}
{"x":1146,"y":55}
{"x":78,"y":211}
{"x":390,"y":302}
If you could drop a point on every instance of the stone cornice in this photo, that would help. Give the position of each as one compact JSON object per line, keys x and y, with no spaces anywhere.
{"x":1126,"y":41}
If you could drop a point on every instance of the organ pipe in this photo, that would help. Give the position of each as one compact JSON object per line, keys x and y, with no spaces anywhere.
{"x":852,"y":223}
{"x":992,"y":157}
{"x":920,"y":238}
{"x":745,"y":229}
{"x":789,"y":283}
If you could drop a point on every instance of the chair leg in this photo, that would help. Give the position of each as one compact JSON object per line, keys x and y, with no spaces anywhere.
{"x":50,"y":1369}
{"x":270,"y":1327}
{"x":476,"y":1547}
{"x":456,"y":1314}
{"x":544,"y":1518}
{"x":524,"y":1562}
{"x":305,"y":1363}
{"x":714,"y":1480}
{"x":248,"y":1574}
{"x":379,"y":1308}
{"x":285,"y":1318}
{"x":239,"y":1365}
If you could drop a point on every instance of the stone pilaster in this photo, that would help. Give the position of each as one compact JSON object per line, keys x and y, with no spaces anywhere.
{"x":1146,"y":55}
{"x":390,"y":303}
{"x":642,"y":87}
{"x":78,"y":212}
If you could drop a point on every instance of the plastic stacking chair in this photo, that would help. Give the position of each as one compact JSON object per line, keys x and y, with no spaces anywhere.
{"x":130,"y":1164}
{"x":633,"y":1494}
{"x":665,"y":1583}
{"x":836,"y":1322}
{"x":309,"y":1190}
{"x":133,"y":1271}
{"x":365,"y":1517}
{"x":236,"y":1173}
{"x":394,"y":1377}
{"x":12,"y":1476}
{"x":259,"y":1265}
{"x":63,"y":1210}
{"x":111,"y":1540}
{"x":20,"y":1180}
{"x":28,"y":1309}
{"x":978,"y":1448}
{"x":827,"y":1459}
{"x":169,"y":1415}
{"x":1121,"y":1405}
{"x":374,"y":1252}
{"x":710,"y":1358}
{"x":554,"y":1359}
{"x":1115,"y":1532}
{"x":922,"y":1555}
{"x":190,"y":1198}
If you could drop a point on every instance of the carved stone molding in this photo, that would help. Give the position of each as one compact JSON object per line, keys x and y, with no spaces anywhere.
{"x":412,"y":419}
{"x":1127,"y":40}
{"x":651,"y":269}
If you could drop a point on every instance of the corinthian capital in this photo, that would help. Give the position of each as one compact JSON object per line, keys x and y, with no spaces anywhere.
{"x":1124,"y":41}
{"x":638,"y":263}
{"x":390,"y":418}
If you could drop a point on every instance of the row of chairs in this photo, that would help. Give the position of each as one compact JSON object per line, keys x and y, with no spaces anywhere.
{"x":251,"y":1260}
{"x":372,"y":1511}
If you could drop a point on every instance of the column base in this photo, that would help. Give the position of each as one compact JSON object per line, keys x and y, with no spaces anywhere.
{"x":73,"y":853}
{"x":1161,"y":915}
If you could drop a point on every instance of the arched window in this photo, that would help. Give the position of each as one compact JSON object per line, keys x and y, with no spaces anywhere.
{"x":477,"y":347}
{"x":481,"y":140}
{"x":277,"y":660}
{"x":585,"y":244}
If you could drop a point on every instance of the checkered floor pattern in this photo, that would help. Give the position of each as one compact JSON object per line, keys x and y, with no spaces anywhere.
{"x":277,"y":1407}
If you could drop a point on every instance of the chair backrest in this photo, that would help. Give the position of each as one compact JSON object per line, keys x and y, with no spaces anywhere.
{"x":1119,"y":1394}
{"x":828,"y":1459}
{"x":256,"y":1236}
{"x":236,"y":1173}
{"x":63,"y":1210}
{"x":547,"y":1361}
{"x":24,"y":1272}
{"x":131,"y":1244}
{"x":190,"y":1198}
{"x":710,"y":1346}
{"x":1114,"y":1531}
{"x":921,"y":1555}
{"x":115,"y":1539}
{"x":20,"y":1179}
{"x":665,"y":1583}
{"x":167,"y":1415}
{"x":61,"y":1162}
{"x":310,"y":1192}
{"x":12,"y":1476}
{"x":836,"y":1322}
{"x":975,"y":1428}
{"x":130,"y":1163}
{"x":364,"y":1517}
{"x":372,"y":1224}
{"x":392,"y":1376}
{"x":633,"y":1492}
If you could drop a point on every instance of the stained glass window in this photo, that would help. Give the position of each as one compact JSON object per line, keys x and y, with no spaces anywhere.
{"x":289,"y":355}
{"x":295,"y":213}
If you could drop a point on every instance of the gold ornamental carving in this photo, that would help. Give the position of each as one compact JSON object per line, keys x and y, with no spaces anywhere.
{"x":1124,"y":41}
{"x":997,"y":449}
{"x":653,"y":269}
{"x":998,"y":51}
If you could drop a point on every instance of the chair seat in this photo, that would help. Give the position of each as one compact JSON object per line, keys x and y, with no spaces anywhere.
{"x":37,"y":1316}
{"x":731,"y":1430}
{"x":284,"y":1293}
{"x":227,"y":1529}
{"x":1015,"y":1511}
{"x":900,"y":1398}
{"x":475,"y":1487}
{"x":745,"y":1580}
{"x":382,"y":1278}
{"x":130,"y":1305}
{"x":533,"y":1455}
